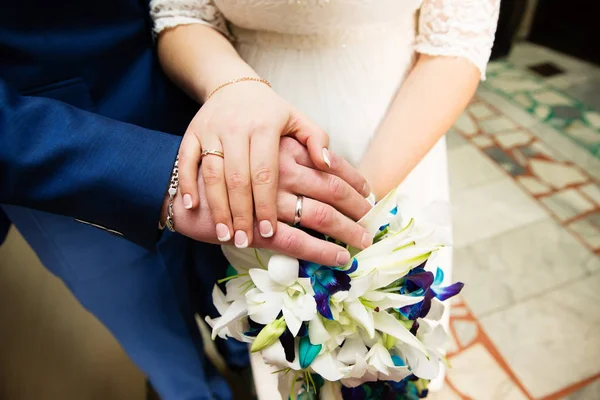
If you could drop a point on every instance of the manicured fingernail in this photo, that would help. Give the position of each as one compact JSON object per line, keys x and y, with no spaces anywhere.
{"x":366,"y":240}
{"x":223,"y":232}
{"x":325,"y":153}
{"x":266,"y":229}
{"x":342,"y":257}
{"x":241,"y":240}
{"x":366,"y":190}
{"x":187,"y":201}
{"x":371,"y":199}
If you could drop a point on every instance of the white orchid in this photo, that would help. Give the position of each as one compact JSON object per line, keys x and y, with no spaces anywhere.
{"x":369,"y":365}
{"x":434,"y":337}
{"x":230,"y":323}
{"x":269,"y":298}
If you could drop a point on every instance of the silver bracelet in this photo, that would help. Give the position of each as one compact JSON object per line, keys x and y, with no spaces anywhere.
{"x":173,"y":185}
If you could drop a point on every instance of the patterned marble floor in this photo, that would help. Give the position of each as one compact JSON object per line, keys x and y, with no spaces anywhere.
{"x":524,"y":170}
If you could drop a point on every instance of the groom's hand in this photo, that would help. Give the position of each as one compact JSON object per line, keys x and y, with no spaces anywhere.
{"x":332,"y":203}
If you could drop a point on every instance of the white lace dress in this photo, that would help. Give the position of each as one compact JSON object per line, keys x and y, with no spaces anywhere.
{"x":341,"y":62}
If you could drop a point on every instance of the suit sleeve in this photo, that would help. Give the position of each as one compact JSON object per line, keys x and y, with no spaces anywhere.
{"x":63,"y":160}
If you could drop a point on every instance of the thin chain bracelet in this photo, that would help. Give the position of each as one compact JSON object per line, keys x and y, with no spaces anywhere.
{"x":173,"y":186}
{"x":237,"y":80}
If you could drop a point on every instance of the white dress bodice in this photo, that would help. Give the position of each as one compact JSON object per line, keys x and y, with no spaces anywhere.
{"x":341,"y":61}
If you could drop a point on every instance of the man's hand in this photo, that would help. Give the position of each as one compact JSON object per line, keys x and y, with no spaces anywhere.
{"x":329,"y":197}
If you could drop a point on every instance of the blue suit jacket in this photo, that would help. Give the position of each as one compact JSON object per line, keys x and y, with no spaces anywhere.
{"x":70,"y":72}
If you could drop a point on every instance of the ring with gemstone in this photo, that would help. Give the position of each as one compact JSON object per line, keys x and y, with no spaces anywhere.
{"x":212,"y":153}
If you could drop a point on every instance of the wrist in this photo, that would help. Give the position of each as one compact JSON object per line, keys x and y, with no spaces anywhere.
{"x":163,"y":211}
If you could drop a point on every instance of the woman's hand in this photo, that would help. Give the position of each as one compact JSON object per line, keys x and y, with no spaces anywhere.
{"x":244,"y":121}
{"x":333,"y":200}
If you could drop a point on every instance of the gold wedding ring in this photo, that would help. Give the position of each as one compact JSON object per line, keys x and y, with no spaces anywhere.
{"x":212,"y":153}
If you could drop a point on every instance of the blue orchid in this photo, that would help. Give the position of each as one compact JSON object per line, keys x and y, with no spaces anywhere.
{"x":446,"y":292}
{"x":419,"y":282}
{"x":327,"y":281}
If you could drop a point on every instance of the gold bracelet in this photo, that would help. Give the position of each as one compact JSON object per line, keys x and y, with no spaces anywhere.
{"x":242,"y":79}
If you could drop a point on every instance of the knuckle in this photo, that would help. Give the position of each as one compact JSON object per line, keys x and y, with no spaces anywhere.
{"x":262,"y":209}
{"x":288,"y":144}
{"x":263,"y":176}
{"x":237,"y":181}
{"x":242,"y":221}
{"x":337,"y":188}
{"x":257,"y":125}
{"x":290,"y":243}
{"x":323,"y":215}
{"x":211,"y":175}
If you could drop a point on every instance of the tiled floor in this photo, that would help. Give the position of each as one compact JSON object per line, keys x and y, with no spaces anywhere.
{"x":524,"y":169}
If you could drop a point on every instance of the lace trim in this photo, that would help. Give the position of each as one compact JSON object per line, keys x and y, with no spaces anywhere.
{"x":460,"y":28}
{"x":171,"y":13}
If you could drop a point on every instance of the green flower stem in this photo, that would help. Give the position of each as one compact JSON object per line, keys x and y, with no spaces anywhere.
{"x":230,"y":278}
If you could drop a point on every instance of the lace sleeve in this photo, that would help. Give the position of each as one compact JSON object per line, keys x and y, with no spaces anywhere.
{"x":171,"y":13}
{"x":461,"y":28}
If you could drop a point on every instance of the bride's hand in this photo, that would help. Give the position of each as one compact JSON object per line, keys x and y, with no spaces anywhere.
{"x":244,"y":121}
{"x":327,"y":196}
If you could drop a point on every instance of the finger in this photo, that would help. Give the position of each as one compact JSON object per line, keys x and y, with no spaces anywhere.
{"x":329,"y":189}
{"x":313,"y":137}
{"x":213,"y":176}
{"x":239,"y":189}
{"x":342,"y":168}
{"x":189,"y":163}
{"x":264,"y":168}
{"x":298,"y":244}
{"x":325,"y":219}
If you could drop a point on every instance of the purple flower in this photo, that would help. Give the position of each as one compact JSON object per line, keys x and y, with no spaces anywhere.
{"x":326,"y":281}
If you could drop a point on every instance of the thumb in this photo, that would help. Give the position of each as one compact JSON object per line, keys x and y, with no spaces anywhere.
{"x":313,"y":137}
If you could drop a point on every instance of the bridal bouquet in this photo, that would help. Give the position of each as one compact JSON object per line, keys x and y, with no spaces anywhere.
{"x":368,"y":330}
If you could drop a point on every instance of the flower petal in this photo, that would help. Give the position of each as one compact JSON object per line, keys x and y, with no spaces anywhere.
{"x":421,"y":365}
{"x":436,"y":311}
{"x":358,"y":374}
{"x":236,"y":288}
{"x":219,"y":300}
{"x":263,"y":307}
{"x":352,"y":350}
{"x":419,"y":278}
{"x":386,"y":323}
{"x":396,"y":374}
{"x":244,"y":259}
{"x":307,"y":269}
{"x":322,"y":299}
{"x":236,"y":310}
{"x":283,"y":269}
{"x":444,"y":293}
{"x":360,"y":285}
{"x":275,"y":355}
{"x":379,"y":214}
{"x":261,"y":279}
{"x":380,"y":358}
{"x":308,"y":352}
{"x":361,"y":315}
{"x":332,"y":280}
{"x":393,"y":300}
{"x":292,"y":320}
{"x":326,"y":366}
{"x":305,"y":307}
{"x":317,"y":332}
